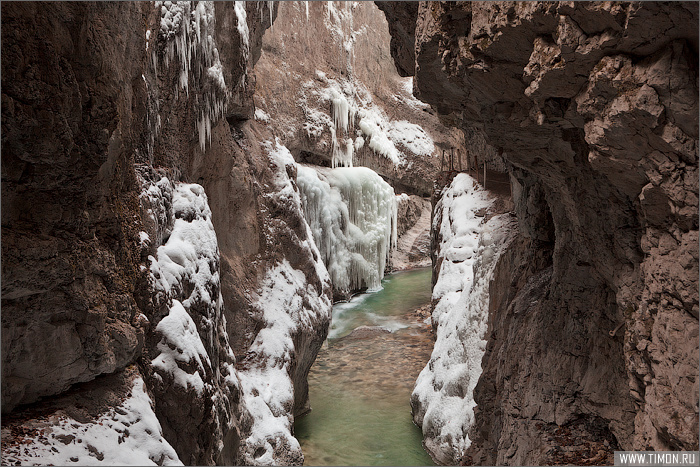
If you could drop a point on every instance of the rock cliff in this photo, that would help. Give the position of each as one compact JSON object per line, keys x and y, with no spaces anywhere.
{"x":593,"y":323}
{"x":327,"y":87}
{"x":145,"y":216}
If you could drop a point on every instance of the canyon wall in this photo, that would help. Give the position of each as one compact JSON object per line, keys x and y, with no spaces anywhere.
{"x":592,"y":339}
{"x":328,"y":88}
{"x":146,"y":218}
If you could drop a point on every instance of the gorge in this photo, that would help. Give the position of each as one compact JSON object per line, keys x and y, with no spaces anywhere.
{"x":189,"y":187}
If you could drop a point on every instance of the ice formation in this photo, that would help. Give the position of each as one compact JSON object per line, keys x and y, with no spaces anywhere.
{"x":352,"y":214}
{"x":442,"y":399}
{"x":355,"y":122}
{"x":242,"y":26}
{"x":128,"y":434}
{"x":286,"y":301}
{"x":187,"y":29}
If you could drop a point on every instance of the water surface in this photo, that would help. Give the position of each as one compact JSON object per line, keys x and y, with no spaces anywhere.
{"x":360,"y":388}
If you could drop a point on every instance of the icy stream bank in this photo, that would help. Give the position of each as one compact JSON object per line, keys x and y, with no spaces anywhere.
{"x":442,"y":400}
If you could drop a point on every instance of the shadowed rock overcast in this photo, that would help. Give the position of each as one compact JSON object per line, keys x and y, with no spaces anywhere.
{"x":187,"y":187}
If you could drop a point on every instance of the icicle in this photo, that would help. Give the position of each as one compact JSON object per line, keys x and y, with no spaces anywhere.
{"x":270,"y":4}
{"x":352,"y":215}
{"x":188,"y":28}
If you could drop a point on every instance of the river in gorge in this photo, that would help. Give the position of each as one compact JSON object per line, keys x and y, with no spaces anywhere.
{"x":360,"y":385}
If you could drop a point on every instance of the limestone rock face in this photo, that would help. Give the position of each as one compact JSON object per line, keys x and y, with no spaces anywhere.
{"x":413,"y":230}
{"x":593,"y":107}
{"x":319,"y":53}
{"x":142,"y":211}
{"x":72,"y":113}
{"x":402,"y":29}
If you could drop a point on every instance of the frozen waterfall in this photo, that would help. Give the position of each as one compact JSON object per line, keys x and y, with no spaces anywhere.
{"x":352,"y":214}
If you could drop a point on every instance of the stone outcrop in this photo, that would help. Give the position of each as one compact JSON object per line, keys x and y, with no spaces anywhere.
{"x":402,"y":28}
{"x":413,"y":230}
{"x":111,"y":114}
{"x":593,"y":107}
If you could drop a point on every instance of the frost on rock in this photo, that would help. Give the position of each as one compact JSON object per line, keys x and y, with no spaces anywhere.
{"x":352,"y":214}
{"x":442,"y":400}
{"x":287,"y":302}
{"x":187,"y":33}
{"x":128,"y":434}
{"x":193,"y":359}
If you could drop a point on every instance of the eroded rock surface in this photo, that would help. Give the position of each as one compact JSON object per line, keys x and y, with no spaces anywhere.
{"x":142,"y":212}
{"x":593,"y":106}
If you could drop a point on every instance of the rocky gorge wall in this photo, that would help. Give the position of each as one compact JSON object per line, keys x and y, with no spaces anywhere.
{"x":592,"y":339}
{"x":145,"y":220}
{"x":327,"y":85}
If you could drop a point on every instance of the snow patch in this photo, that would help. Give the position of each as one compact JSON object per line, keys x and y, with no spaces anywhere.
{"x":128,"y":434}
{"x":180,"y":343}
{"x":262,"y":116}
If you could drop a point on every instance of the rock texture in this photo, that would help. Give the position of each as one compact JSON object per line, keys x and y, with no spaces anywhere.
{"x":342,"y":49}
{"x":593,"y":106}
{"x":413,"y":230}
{"x":111,"y":114}
{"x":72,"y":115}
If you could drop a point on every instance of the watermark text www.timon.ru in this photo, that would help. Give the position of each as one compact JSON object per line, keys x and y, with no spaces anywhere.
{"x":665,"y":458}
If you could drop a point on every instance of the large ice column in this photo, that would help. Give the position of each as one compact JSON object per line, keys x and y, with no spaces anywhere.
{"x":442,"y":400}
{"x":352,"y":214}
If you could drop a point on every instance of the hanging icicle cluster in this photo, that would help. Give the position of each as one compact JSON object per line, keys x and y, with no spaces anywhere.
{"x":352,"y":215}
{"x":187,"y":31}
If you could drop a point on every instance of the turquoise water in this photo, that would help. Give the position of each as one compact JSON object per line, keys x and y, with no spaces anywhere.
{"x":402,"y":292}
{"x":360,"y":388}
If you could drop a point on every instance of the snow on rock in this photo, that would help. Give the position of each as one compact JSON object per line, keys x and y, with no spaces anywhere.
{"x":355,"y":121}
{"x":262,"y":116}
{"x":193,"y":360}
{"x":286,"y":303}
{"x":128,"y":434}
{"x":442,"y":400}
{"x":185,"y":276}
{"x":268,"y":394}
{"x":187,"y":32}
{"x":352,"y":214}
{"x":181,"y":343}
